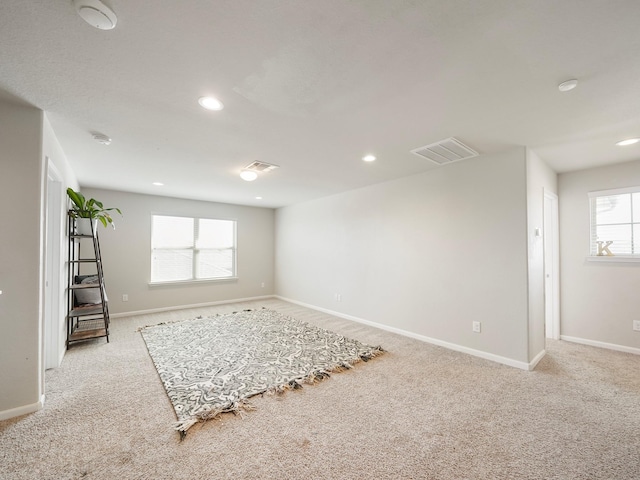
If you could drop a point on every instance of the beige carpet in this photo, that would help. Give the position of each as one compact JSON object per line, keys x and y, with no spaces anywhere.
{"x":417,"y":412}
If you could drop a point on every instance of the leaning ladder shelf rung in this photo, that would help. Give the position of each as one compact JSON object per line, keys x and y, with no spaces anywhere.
{"x":80,"y":335}
{"x":84,"y":311}
{"x":85,"y":322}
{"x":80,"y":286}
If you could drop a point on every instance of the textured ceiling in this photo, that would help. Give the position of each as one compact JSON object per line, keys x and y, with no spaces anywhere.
{"x":312,"y":86}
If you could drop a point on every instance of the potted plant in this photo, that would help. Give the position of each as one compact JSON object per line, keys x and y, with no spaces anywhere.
{"x":87,"y":211}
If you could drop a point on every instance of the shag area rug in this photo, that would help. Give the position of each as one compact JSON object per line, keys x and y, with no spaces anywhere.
{"x":211,"y":365}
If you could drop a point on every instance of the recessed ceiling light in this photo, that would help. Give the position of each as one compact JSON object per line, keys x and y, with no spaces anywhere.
{"x":369,"y":158}
{"x":258,"y":198}
{"x":101,"y":138}
{"x":568,"y":85}
{"x":210,"y":103}
{"x":629,"y":141}
{"x":248,"y":175}
{"x":158,"y":184}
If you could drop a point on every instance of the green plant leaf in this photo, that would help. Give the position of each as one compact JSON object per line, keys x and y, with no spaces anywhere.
{"x":76,"y":197}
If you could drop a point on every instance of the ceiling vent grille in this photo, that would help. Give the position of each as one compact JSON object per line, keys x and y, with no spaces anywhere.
{"x":260,"y":167}
{"x":445,"y":151}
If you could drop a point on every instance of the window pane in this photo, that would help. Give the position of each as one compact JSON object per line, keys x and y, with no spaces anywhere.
{"x":613,"y":209}
{"x":636,"y":239}
{"x":215,"y":233}
{"x":171,"y":265}
{"x":214,"y":263}
{"x":619,"y":234}
{"x":171,"y":232}
{"x":636,"y":208}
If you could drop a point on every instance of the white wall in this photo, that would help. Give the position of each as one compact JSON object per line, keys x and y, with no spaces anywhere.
{"x":20,"y":271}
{"x":539,"y":178}
{"x":126,"y":252}
{"x":427,"y":254}
{"x":599,"y":301}
{"x":51,"y":148}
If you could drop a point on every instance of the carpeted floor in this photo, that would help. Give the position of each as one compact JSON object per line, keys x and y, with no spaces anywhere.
{"x":418,"y":412}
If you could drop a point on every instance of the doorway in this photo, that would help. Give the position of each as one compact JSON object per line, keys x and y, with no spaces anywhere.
{"x":551,"y":267}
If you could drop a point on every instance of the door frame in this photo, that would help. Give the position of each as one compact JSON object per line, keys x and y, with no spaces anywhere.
{"x":552,"y":263}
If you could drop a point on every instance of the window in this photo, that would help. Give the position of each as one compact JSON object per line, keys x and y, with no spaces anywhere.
{"x":185,"y":248}
{"x":615,"y":222}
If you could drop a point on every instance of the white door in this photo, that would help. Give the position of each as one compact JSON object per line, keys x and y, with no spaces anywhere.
{"x":551,"y":267}
{"x":53,"y":323}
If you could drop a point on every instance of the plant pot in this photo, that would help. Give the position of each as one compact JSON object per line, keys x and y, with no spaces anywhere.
{"x":83,"y":226}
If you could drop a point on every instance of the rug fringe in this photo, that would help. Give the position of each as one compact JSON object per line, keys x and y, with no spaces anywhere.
{"x":168,"y":322}
{"x":199,"y":317}
{"x":237,"y":408}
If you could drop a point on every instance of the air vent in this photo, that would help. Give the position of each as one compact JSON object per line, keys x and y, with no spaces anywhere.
{"x":260,"y":167}
{"x":445,"y":151}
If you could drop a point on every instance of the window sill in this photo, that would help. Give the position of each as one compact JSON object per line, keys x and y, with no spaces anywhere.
{"x":192,"y":282}
{"x":614,"y":258}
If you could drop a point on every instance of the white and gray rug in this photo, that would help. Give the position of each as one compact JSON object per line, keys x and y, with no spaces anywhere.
{"x":212,"y":365}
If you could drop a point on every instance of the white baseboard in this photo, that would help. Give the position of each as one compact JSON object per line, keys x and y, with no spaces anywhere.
{"x":23,"y":410}
{"x":182,"y":307}
{"x":595,"y":343}
{"x":537,"y":358}
{"x":434,"y":341}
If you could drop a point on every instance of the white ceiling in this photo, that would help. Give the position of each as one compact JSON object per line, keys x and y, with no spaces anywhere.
{"x":312,"y":86}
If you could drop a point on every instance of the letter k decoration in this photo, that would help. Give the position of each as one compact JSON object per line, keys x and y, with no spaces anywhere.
{"x":603,"y":248}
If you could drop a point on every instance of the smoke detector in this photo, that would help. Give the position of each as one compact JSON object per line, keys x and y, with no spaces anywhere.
{"x":568,"y":85}
{"x":96,"y":14}
{"x":101,"y":138}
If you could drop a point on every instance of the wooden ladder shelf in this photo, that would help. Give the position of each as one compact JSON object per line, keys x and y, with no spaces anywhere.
{"x":87,"y":304}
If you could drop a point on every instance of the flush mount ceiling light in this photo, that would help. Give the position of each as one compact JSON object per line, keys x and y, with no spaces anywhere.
{"x":96,"y":14}
{"x":629,"y":141}
{"x":101,"y":139}
{"x":158,"y":184}
{"x":248,"y":175}
{"x":258,"y":198}
{"x":369,"y":158}
{"x":568,"y":85}
{"x":210,"y":103}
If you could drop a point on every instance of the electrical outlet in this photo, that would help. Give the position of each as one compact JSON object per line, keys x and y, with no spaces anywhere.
{"x":476,"y":327}
{"x":636,"y":325}
{"x":262,"y":284}
{"x":338,"y":297}
{"x":125,"y":298}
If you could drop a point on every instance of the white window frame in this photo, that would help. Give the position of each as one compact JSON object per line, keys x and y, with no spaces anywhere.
{"x":193,"y":279}
{"x":593,"y":256}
